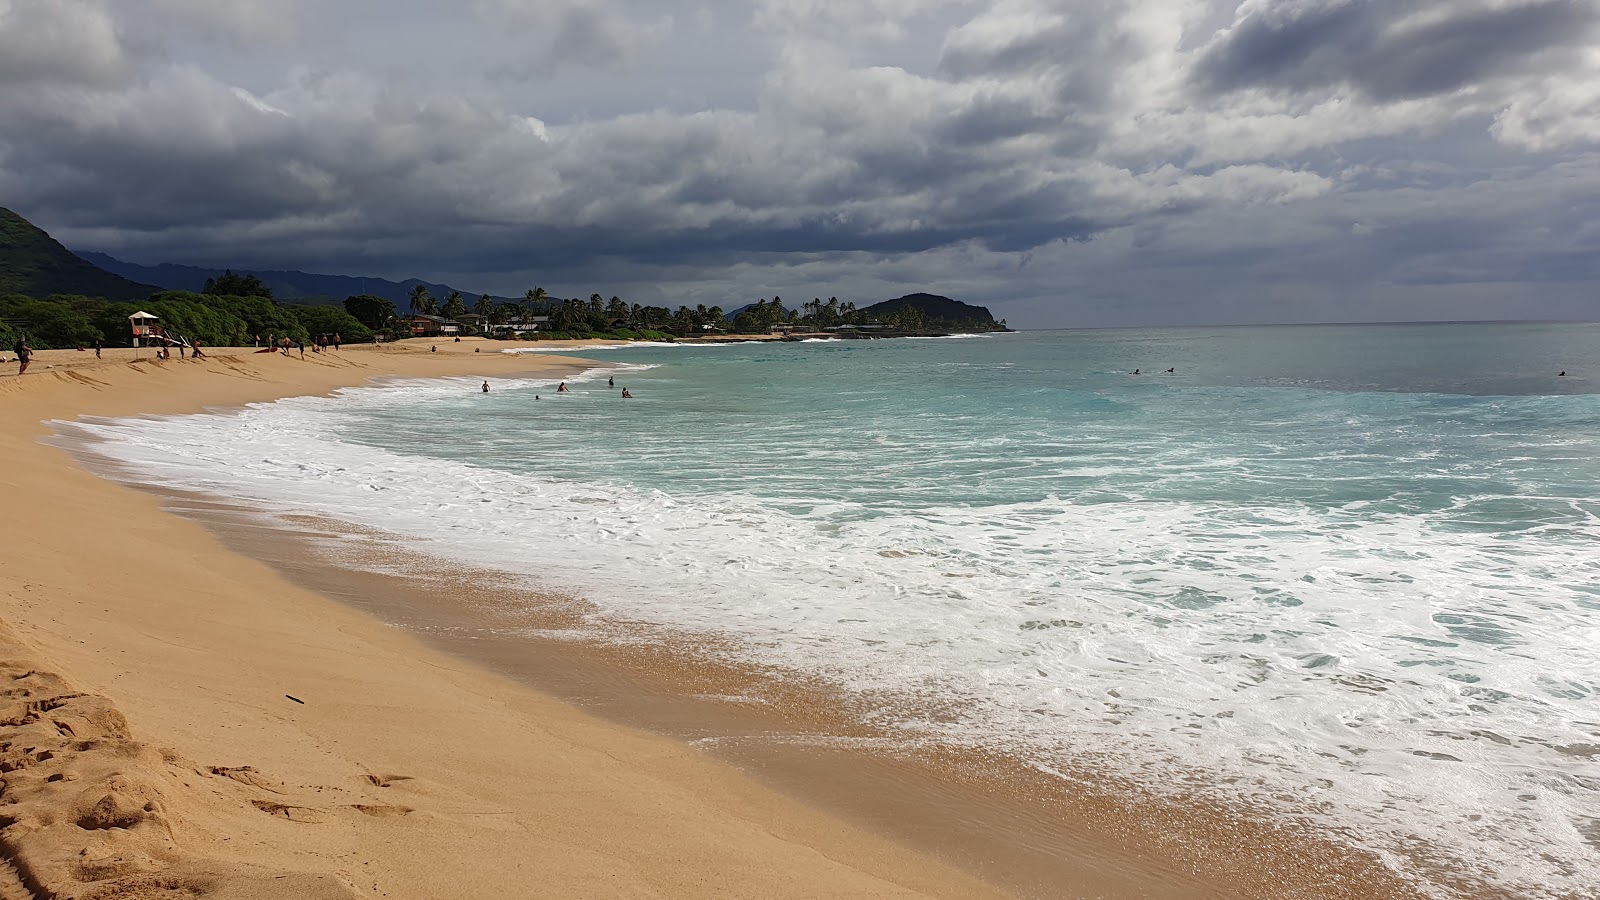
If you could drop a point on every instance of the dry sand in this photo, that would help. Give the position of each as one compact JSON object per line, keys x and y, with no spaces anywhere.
{"x":184,"y":719}
{"x":180,"y":720}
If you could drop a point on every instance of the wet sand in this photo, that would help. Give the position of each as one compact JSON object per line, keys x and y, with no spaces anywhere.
{"x":677,"y":774}
{"x":1032,"y":833}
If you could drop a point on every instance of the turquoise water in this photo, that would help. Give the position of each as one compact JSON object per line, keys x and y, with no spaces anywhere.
{"x":1345,"y":572}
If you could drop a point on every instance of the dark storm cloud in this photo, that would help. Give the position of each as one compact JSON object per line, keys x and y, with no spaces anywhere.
{"x":1021,"y":148}
{"x":1370,"y":45}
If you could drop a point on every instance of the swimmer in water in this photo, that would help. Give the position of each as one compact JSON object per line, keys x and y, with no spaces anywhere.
{"x":626,"y":394}
{"x":1135,"y":371}
{"x":562,"y":388}
{"x":486,"y":387}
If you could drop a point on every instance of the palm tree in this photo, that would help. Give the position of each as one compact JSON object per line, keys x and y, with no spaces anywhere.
{"x":421,"y":300}
{"x":484,"y":307}
{"x":454,"y":305}
{"x":570,"y":315}
{"x":536,"y":295}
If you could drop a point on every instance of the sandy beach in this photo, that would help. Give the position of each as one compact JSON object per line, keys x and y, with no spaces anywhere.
{"x":198,"y":706}
{"x":182,"y":720}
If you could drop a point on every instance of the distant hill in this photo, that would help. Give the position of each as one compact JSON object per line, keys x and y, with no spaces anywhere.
{"x":732,"y":314}
{"x":299,"y":287}
{"x":934,"y":307}
{"x":34,"y":263}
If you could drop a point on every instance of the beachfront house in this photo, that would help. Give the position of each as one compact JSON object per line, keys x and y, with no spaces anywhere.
{"x":472,"y":323}
{"x":423,"y":325}
{"x":146,"y":329}
{"x":522,"y":325}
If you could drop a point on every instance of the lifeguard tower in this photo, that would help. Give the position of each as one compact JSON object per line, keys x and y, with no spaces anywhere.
{"x":146,"y":330}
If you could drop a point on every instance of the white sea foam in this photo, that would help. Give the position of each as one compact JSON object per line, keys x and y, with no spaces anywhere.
{"x":1366,"y":669}
{"x":625,"y":345}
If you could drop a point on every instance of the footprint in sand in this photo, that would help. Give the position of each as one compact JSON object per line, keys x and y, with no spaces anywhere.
{"x":381,"y":811}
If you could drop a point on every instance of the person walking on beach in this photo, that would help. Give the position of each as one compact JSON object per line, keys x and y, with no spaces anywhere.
{"x":302,"y":346}
{"x":337,"y":340}
{"x":96,"y":349}
{"x":24,"y":354}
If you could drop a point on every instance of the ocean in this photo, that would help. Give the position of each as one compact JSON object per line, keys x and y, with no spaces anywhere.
{"x":1345,"y":574}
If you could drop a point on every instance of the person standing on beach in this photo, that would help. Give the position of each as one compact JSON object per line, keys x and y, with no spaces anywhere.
{"x":337,"y":340}
{"x":96,"y":349}
{"x":24,"y":354}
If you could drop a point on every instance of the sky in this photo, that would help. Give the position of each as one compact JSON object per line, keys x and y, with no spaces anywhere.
{"x":1068,"y":163}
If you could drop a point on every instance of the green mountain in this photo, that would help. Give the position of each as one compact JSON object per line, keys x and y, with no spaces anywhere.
{"x":934,"y":307}
{"x":34,"y":263}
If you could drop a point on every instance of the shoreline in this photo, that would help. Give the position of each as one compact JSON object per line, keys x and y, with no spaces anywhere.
{"x":186,"y":718}
{"x":1063,"y":842}
{"x":1033,"y":833}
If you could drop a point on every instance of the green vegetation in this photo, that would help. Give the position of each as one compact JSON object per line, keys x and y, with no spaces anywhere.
{"x":60,"y":320}
{"x":82,"y":304}
{"x":229,"y":284}
{"x":372,"y":312}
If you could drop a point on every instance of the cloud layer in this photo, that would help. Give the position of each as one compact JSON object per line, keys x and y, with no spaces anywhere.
{"x":1072,"y":162}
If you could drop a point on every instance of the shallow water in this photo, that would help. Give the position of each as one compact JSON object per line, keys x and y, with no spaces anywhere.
{"x":1345,"y":572}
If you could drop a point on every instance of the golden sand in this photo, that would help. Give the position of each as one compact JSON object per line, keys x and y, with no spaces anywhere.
{"x":180,"y":720}
{"x":186,"y":715}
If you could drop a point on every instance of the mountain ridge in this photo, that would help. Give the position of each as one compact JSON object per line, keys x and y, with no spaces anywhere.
{"x":34,"y":263}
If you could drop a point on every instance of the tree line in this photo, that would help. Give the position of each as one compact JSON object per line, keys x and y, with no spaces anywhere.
{"x":599,"y":317}
{"x":233,"y":310}
{"x":236,"y":310}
